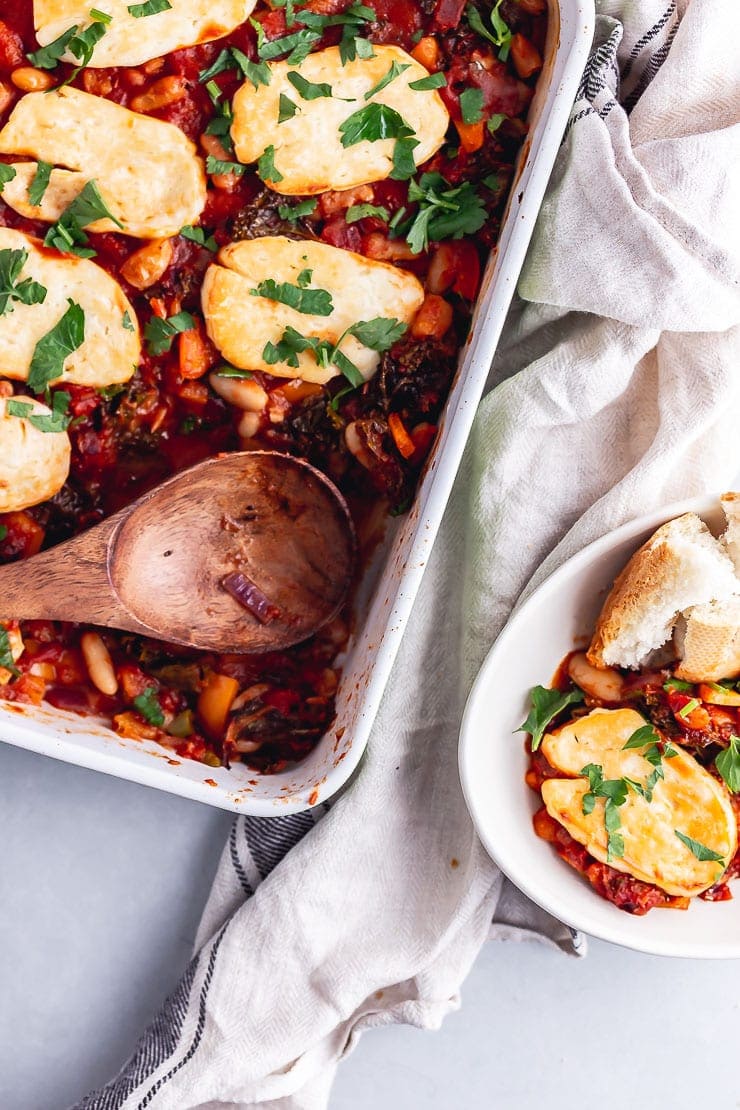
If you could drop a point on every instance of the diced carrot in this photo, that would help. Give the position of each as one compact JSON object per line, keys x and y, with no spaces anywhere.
{"x":423,"y":436}
{"x":433,"y":318}
{"x":401,"y":437}
{"x":426,"y":52}
{"x":718,"y":695}
{"x":298,"y":390}
{"x":471,"y":135}
{"x":196,"y":353}
{"x":132,"y":727}
{"x":525,"y":56}
{"x":214,"y":702}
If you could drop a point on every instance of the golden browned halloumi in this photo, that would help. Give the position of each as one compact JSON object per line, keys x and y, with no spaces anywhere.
{"x":129,"y":41}
{"x":110,"y":352}
{"x":147,"y":171}
{"x":33,"y":464}
{"x":308,"y":149}
{"x":688,"y":799}
{"x":240,"y":324}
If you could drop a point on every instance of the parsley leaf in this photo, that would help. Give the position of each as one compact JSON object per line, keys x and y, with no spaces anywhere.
{"x":52,"y":349}
{"x":500,"y":34}
{"x":286,"y":108}
{"x":546,"y":705}
{"x":227,"y":371}
{"x":494,"y":122}
{"x":351,"y":47}
{"x":3,"y":531}
{"x":27,"y":291}
{"x":266,"y":168}
{"x":685,"y":710}
{"x":149,"y":7}
{"x":379,"y":334}
{"x":433,"y":81}
{"x":67,"y":234}
{"x":614,"y":791}
{"x":641,"y":737}
{"x":471,"y":105}
{"x":7,"y":173}
{"x":48,"y":56}
{"x":83,"y":43}
{"x":148,"y":705}
{"x":297,"y":45}
{"x":373,"y":122}
{"x":40,"y":183}
{"x":312,"y":302}
{"x":295,"y":212}
{"x":357,"y":212}
{"x":444,"y":212}
{"x":6,"y":652}
{"x":308,"y":90}
{"x":55,"y":421}
{"x":200,"y":236}
{"x":728,"y":764}
{"x":217,"y":167}
{"x":395,"y":71}
{"x":699,"y":850}
{"x":159,"y":333}
{"x":404,"y":164}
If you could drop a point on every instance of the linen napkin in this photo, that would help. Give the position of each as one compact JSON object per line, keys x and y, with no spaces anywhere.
{"x":617,"y":388}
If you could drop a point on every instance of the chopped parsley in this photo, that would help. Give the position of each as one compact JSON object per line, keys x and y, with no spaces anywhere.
{"x":702,"y":853}
{"x":308,"y":90}
{"x":395,"y":71}
{"x":685,"y":710}
{"x":55,"y":421}
{"x":654,"y":752}
{"x":150,"y":7}
{"x":546,"y":705}
{"x":232,"y":58}
{"x":433,"y":81}
{"x":728,"y":764}
{"x":7,"y":173}
{"x":677,"y":684}
{"x":266,"y":168}
{"x":444,"y":212}
{"x":494,"y":122}
{"x":200,"y":236}
{"x":52,"y":349}
{"x":312,"y":302}
{"x":79,"y":43}
{"x":227,"y":371}
{"x":127,"y":322}
{"x":26,"y":291}
{"x":351,"y":47}
{"x":220,"y":124}
{"x":297,"y":45}
{"x":159,"y":333}
{"x":67,"y":234}
{"x":295,"y":212}
{"x":40,"y":183}
{"x":148,"y":705}
{"x":372,"y":123}
{"x":3,"y":531}
{"x":287,"y":108}
{"x":217,"y":167}
{"x":357,"y":212}
{"x":6,"y":652}
{"x":499,"y":34}
{"x":614,"y":792}
{"x":471,"y":105}
{"x":379,"y":334}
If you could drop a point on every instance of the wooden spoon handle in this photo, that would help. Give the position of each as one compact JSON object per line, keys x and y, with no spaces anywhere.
{"x":67,"y":583}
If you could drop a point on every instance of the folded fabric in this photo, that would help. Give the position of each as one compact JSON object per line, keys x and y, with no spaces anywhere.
{"x":618,"y":390}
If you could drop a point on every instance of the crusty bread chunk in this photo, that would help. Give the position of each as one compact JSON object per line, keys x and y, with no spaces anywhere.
{"x":731,"y":539}
{"x":708,"y":642}
{"x":680,"y":566}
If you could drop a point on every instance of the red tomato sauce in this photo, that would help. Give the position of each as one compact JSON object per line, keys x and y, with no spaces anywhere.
{"x":127,"y":439}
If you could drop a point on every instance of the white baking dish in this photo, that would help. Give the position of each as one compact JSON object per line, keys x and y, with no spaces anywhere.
{"x":390,"y":584}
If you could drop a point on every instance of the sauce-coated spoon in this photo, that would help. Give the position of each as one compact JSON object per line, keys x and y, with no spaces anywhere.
{"x":271,"y":526}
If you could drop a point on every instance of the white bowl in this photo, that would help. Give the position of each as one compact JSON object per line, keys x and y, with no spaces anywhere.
{"x":556,"y":618}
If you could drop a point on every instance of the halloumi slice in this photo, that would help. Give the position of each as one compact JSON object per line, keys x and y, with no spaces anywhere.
{"x":129,"y":41}
{"x":308,"y":149}
{"x":110,"y":352}
{"x":148,"y":171}
{"x":240,"y":324}
{"x":687,"y":799}
{"x":33,"y":464}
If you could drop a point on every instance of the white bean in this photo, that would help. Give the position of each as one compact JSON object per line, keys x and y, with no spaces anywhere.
{"x":99,"y":663}
{"x":249,"y":425}
{"x":602,"y":683}
{"x":244,"y":393}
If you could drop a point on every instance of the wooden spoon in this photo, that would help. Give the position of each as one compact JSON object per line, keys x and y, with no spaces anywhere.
{"x":273,"y":527}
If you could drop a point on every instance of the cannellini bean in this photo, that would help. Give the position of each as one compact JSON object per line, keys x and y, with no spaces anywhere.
{"x":602,"y":683}
{"x":28,"y":79}
{"x":147,"y":265}
{"x":99,"y":663}
{"x":249,"y":425}
{"x":244,"y":393}
{"x":248,"y":746}
{"x":251,"y":692}
{"x":356,"y":447}
{"x":165,"y":91}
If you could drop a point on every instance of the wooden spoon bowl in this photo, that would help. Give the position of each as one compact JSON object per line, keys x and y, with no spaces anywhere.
{"x":273,"y":528}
